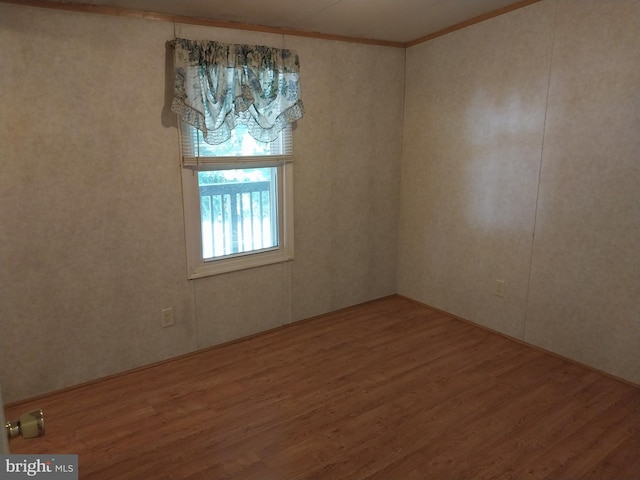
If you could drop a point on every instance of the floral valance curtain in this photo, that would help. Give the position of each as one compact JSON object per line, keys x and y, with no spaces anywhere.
{"x":219,"y":85}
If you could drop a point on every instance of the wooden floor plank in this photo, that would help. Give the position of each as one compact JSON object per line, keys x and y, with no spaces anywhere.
{"x":386,"y":390}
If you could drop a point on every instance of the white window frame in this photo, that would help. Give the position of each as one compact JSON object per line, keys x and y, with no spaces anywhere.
{"x":197,"y":267}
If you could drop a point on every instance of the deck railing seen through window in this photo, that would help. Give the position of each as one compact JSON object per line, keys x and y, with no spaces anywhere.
{"x":238,"y":217}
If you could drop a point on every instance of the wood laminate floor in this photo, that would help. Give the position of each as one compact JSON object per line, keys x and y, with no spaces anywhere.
{"x":387,"y":390}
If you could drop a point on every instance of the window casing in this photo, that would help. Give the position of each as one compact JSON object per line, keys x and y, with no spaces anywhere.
{"x":238,"y":201}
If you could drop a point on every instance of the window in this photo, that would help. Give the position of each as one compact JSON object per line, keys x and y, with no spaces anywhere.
{"x":237,"y":186}
{"x":238,"y":201}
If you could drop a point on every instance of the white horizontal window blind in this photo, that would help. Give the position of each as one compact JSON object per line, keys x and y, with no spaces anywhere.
{"x":241,"y":147}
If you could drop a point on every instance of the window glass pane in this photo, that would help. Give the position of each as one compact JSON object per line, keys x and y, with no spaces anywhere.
{"x":238,"y":211}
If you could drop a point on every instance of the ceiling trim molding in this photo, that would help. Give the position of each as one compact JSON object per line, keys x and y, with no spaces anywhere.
{"x":165,"y":17}
{"x":471,"y":21}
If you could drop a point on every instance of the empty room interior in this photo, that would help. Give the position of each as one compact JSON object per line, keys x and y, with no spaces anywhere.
{"x":458,"y":294}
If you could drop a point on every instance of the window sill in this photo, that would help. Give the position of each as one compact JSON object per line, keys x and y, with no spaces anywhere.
{"x":242,"y":262}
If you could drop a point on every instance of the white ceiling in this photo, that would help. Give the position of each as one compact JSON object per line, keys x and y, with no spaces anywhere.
{"x":386,"y":20}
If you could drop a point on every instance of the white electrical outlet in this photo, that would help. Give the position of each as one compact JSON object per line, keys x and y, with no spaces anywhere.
{"x":499,"y":288}
{"x":166,"y":319}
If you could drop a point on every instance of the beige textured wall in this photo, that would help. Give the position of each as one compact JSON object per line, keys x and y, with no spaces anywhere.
{"x":521,"y":162}
{"x":91,"y":238}
{"x":349,"y":182}
{"x":91,"y":226}
{"x":584,"y":301}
